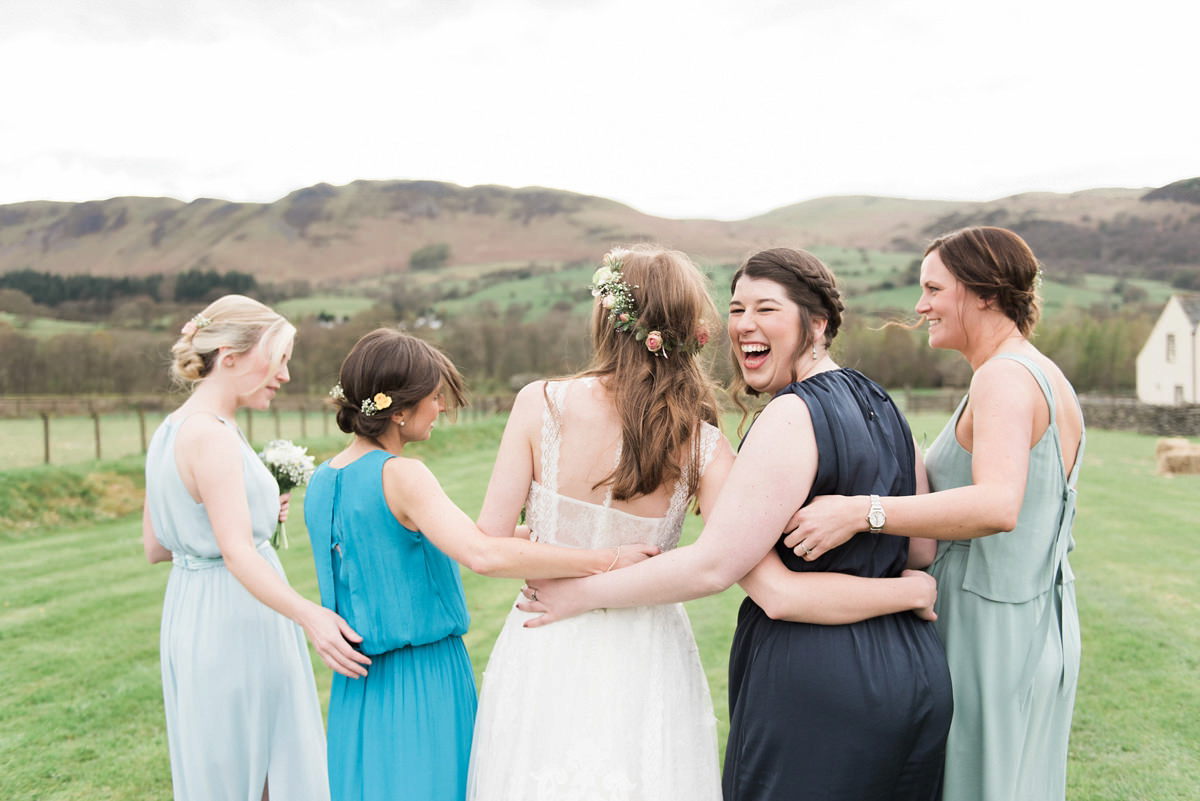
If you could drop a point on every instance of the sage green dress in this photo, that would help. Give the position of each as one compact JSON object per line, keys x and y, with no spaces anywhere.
{"x":1008,"y":619}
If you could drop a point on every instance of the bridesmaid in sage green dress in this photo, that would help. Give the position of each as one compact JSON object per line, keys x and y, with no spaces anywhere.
{"x":1004,"y":471}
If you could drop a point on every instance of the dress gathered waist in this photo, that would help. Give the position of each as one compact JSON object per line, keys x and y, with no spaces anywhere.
{"x":189,"y":561}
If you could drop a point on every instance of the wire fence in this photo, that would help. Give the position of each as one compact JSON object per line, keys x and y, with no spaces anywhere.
{"x":64,"y":430}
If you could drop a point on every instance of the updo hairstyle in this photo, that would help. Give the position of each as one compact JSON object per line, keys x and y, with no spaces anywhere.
{"x":809,"y":284}
{"x":401,"y":367}
{"x":996,"y":265}
{"x":234,"y":322}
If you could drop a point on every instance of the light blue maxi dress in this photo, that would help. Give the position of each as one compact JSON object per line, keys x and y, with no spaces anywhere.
{"x":238,"y":688}
{"x":403,"y":731}
{"x":1008,"y":619}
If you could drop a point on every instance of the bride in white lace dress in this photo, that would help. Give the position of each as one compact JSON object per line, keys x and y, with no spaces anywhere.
{"x":613,"y":704}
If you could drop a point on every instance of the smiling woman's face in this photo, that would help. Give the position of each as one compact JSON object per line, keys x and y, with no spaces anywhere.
{"x":764,"y":326}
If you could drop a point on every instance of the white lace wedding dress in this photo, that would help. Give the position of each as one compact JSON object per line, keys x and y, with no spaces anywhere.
{"x":612,"y":705}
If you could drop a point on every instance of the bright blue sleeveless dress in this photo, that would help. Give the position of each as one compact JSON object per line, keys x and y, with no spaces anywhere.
{"x":238,"y":689}
{"x":403,"y":731}
{"x":1007,"y":616}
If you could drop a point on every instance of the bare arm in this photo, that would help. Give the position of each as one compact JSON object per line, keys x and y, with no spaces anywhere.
{"x":1004,"y":398}
{"x":155,"y":552}
{"x":512,"y":473}
{"x":413,"y":492}
{"x":768,"y":480}
{"x":833,"y":598}
{"x":212,"y":459}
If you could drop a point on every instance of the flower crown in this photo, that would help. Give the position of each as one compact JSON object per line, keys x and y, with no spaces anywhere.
{"x":616,"y":296}
{"x":376,"y":403}
{"x":195,"y":324}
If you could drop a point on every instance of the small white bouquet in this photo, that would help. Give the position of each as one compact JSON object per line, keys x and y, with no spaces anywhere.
{"x":292,"y":467}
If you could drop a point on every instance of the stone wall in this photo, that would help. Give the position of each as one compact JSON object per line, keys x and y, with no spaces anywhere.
{"x":1127,"y":414}
{"x":1101,"y":412}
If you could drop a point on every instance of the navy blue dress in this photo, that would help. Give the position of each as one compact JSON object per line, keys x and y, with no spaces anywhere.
{"x":851,"y":712}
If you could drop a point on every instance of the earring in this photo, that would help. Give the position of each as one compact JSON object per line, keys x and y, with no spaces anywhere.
{"x":228,"y":361}
{"x":814,"y":351}
{"x":401,"y":422}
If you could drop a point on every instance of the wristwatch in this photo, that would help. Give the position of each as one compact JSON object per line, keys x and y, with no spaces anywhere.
{"x":876,"y":519}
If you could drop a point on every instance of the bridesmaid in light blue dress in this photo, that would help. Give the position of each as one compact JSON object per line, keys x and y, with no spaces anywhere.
{"x":243,"y":719}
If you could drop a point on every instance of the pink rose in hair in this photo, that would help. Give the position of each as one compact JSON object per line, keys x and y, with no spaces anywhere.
{"x":654,"y":341}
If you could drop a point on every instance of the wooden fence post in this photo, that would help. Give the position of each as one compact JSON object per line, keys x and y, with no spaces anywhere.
{"x":46,"y":435}
{"x":96,"y":429}
{"x":141,"y":413}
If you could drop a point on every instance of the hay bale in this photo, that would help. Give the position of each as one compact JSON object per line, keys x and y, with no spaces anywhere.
{"x":1177,"y":456}
{"x":1165,"y":444}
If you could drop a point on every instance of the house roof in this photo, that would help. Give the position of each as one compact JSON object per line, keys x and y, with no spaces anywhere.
{"x":1190,"y":303}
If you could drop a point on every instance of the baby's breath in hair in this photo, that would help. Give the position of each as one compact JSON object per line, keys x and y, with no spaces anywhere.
{"x":608,"y":284}
{"x":376,"y":403}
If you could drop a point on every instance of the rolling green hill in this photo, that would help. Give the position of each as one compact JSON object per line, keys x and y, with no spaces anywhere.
{"x":331,"y":236}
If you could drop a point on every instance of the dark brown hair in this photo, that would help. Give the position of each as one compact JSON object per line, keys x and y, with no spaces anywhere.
{"x":660,"y":401}
{"x":809,"y":284}
{"x":996,"y":265}
{"x":402,"y":367}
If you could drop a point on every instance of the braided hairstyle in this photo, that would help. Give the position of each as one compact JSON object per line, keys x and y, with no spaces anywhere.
{"x":809,"y":284}
{"x":234,"y":322}
{"x":998,"y":266}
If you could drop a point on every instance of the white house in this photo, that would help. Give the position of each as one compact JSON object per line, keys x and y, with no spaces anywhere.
{"x":1169,"y":363}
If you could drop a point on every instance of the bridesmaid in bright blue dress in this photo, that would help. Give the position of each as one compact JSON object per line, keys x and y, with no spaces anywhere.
{"x":243,"y":719}
{"x":386,"y":542}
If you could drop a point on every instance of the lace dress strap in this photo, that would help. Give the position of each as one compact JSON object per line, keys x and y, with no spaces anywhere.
{"x":552,"y":433}
{"x":709,"y":436}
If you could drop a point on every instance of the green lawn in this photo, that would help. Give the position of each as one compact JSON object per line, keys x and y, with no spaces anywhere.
{"x":81,"y":711}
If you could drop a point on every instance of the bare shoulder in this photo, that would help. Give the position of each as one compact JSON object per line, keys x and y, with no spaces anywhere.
{"x":785,"y":417}
{"x":528,"y":406}
{"x":207,"y":432}
{"x":1000,"y":379}
{"x":405,"y":470}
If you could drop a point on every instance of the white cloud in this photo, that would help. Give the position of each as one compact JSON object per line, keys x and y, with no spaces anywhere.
{"x":721,"y":109}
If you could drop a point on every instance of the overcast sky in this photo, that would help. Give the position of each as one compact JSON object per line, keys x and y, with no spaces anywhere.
{"x":679,"y":109}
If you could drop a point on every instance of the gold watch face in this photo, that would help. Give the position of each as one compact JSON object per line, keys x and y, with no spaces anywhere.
{"x":876,"y":519}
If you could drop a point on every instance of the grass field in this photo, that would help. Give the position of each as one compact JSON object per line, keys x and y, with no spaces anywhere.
{"x":81,"y":711}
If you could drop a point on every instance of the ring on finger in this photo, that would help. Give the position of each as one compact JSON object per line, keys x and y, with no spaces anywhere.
{"x":804,"y":548}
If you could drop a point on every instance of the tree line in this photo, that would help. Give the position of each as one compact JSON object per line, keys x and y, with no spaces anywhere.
{"x":189,"y":286}
{"x":497,"y":349}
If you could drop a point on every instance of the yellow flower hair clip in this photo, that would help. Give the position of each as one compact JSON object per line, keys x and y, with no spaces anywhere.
{"x":377,"y":403}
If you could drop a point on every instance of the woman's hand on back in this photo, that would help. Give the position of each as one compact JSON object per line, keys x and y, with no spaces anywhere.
{"x":824,"y":523}
{"x":331,"y":636}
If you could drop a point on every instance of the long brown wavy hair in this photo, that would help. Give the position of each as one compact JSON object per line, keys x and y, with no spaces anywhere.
{"x":660,"y":401}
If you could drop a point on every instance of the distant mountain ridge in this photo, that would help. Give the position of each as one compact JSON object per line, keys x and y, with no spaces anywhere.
{"x":327,"y":233}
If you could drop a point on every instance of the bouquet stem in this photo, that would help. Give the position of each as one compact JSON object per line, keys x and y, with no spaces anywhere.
{"x":280,"y":536}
